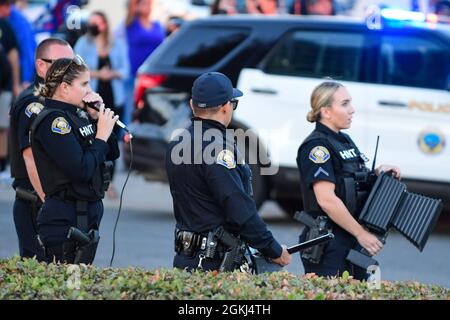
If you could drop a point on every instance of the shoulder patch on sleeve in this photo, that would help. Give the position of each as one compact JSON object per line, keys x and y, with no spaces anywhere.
{"x":319,"y":154}
{"x":61,"y":126}
{"x":226,"y":159}
{"x":33,"y":108}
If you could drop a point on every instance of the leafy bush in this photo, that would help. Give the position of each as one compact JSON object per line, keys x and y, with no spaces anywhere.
{"x":29,"y":279}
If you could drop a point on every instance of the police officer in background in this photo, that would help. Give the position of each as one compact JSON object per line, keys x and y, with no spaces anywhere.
{"x":71,"y":151}
{"x":29,"y":194}
{"x":334,"y":183}
{"x":211,"y":189}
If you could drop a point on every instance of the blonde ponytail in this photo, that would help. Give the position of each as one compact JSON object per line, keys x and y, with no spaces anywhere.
{"x":322,"y":96}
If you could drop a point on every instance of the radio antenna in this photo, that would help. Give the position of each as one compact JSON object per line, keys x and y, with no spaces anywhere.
{"x":375,"y":156}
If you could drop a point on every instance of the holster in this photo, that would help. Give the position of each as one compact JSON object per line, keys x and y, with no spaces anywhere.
{"x":79,"y":248}
{"x":316,"y":227}
{"x":233,"y":249}
{"x":82,"y":242}
{"x":85,"y":251}
{"x":86,"y":240}
{"x":34,"y":201}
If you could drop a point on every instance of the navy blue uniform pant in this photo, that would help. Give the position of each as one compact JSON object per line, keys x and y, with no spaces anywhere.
{"x":57,"y":216}
{"x":26,"y":228}
{"x":333,"y":262}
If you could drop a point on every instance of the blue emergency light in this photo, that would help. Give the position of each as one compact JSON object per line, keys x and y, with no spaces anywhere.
{"x":392,"y":15}
{"x":402,"y":15}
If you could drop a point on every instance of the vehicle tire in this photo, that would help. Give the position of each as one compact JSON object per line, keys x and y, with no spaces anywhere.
{"x":290,"y":206}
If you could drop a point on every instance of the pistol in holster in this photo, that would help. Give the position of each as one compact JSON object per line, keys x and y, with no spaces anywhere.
{"x":86,"y":244}
{"x":34,"y":201}
{"x":317,"y":227}
{"x":232,"y":249}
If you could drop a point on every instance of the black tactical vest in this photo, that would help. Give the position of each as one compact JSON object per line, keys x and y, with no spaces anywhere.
{"x":53,"y":179}
{"x":350,"y":172}
{"x":18,"y":168}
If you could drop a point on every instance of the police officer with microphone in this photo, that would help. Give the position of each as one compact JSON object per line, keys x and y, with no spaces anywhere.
{"x":29,"y":193}
{"x":71,"y":146}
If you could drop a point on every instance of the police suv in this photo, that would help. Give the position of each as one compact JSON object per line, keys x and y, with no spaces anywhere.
{"x":395,"y":65}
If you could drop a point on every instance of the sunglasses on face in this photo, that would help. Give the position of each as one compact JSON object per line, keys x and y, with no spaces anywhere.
{"x":77,"y":60}
{"x":48,"y":60}
{"x":234,"y":103}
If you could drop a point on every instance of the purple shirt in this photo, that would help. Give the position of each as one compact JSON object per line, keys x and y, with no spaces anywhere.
{"x":142,"y":42}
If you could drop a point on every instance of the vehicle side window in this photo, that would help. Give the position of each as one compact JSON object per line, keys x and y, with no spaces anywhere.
{"x":319,"y":54}
{"x":414,"y":62}
{"x":204,"y":47}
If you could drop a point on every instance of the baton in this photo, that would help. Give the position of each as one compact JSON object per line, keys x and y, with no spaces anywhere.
{"x":310,"y":243}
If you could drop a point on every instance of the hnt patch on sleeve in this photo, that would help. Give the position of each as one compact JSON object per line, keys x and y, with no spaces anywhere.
{"x":226,"y":159}
{"x":33,"y":108}
{"x":61,"y":126}
{"x":319,"y":154}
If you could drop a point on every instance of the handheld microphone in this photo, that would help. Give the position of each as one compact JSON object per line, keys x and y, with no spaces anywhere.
{"x":95,"y":106}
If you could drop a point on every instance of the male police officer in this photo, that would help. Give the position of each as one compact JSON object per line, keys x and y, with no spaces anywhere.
{"x":23,"y":168}
{"x":211,"y":188}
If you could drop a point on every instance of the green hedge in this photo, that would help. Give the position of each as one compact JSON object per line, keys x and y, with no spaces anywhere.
{"x":28,"y":279}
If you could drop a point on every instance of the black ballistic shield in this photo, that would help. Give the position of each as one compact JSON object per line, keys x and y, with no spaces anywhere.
{"x":390,"y":205}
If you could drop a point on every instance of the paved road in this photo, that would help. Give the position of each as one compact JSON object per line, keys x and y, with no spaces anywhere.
{"x":145,"y":236}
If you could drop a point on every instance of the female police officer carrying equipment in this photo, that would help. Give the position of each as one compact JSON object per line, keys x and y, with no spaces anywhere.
{"x":214,"y":209}
{"x":70,"y":152}
{"x":334,"y":184}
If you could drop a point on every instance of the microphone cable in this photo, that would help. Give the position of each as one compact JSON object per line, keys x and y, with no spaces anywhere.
{"x":96,"y":106}
{"x":120,"y":201}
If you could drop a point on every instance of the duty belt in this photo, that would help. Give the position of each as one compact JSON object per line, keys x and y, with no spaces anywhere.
{"x":189,"y":243}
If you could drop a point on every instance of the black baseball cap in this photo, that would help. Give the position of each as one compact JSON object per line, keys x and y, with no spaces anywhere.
{"x":213,"y":89}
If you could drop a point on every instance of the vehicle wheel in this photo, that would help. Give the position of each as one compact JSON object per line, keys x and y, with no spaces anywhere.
{"x":260,"y":190}
{"x":290,"y":206}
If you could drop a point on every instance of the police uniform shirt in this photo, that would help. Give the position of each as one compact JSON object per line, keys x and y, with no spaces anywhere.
{"x":22,"y":114}
{"x":61,"y":144}
{"x":315,"y":161}
{"x":206,"y":196}
{"x":318,"y":160}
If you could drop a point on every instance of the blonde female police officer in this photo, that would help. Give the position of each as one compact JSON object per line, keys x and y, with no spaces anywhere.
{"x":330,"y":164}
{"x":70,"y":151}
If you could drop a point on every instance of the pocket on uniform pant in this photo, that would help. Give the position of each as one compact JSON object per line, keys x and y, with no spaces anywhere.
{"x":54,"y":221}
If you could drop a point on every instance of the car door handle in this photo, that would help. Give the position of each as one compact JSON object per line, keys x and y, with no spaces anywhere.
{"x":392,"y":103}
{"x":264,"y":90}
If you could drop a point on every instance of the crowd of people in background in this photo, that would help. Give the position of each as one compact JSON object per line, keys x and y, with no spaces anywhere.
{"x":317,"y":7}
{"x":114,"y":56}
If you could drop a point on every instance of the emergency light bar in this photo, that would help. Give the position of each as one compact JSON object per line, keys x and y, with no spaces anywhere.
{"x":391,"y":14}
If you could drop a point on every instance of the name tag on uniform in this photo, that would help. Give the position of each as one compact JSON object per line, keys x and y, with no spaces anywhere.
{"x":348,"y":154}
{"x":87,"y":130}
